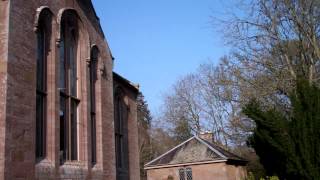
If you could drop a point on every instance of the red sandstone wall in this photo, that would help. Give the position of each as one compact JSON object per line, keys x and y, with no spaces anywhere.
{"x":216,"y":171}
{"x":130,"y":100}
{"x":4,"y":27}
{"x":134,"y":164}
{"x":17,"y":161}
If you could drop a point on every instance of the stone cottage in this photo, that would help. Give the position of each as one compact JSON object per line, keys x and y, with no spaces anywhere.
{"x":64,"y":114}
{"x":197,"y":159}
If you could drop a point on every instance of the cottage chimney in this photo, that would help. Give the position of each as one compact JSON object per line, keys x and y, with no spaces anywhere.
{"x":208,"y":136}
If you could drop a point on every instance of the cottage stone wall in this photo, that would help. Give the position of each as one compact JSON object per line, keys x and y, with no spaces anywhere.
{"x":18,"y":19}
{"x":216,"y":171}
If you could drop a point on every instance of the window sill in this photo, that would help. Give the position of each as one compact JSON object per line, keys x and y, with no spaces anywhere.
{"x":43,"y":161}
{"x":72,"y":164}
{"x":96,"y":167}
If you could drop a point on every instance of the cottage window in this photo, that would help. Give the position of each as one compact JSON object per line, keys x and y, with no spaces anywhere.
{"x":69,"y":100}
{"x":92,"y":83}
{"x":185,"y":173}
{"x":181,"y":174}
{"x":41,"y":85}
{"x":189,"y":173}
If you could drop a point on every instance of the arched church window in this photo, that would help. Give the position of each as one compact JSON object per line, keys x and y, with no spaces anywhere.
{"x":68,"y":87}
{"x":92,"y":83}
{"x":43,"y":32}
{"x":121,"y":136}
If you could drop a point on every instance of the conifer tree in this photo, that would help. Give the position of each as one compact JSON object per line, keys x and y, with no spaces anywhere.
{"x":144,"y":124}
{"x":289,"y":145}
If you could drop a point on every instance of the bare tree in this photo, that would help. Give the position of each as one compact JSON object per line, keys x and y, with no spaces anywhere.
{"x":206,"y":102}
{"x":222,"y":104}
{"x":184,"y":104}
{"x":273,"y":42}
{"x":276,"y":40}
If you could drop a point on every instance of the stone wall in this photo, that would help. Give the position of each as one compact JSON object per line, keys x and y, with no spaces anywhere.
{"x":4,"y":27}
{"x":18,"y":94}
{"x":216,"y":171}
{"x":130,"y":95}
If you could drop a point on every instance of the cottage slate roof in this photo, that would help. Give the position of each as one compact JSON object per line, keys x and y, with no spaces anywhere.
{"x":195,"y":150}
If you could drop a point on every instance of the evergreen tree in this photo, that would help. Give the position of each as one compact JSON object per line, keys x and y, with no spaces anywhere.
{"x":143,"y":112}
{"x":144,"y":125}
{"x":289,"y":145}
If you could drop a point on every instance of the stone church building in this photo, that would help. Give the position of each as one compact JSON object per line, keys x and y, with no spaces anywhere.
{"x":64,"y":113}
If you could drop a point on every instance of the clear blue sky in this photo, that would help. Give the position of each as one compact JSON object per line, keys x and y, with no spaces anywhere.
{"x":155,"y":42}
